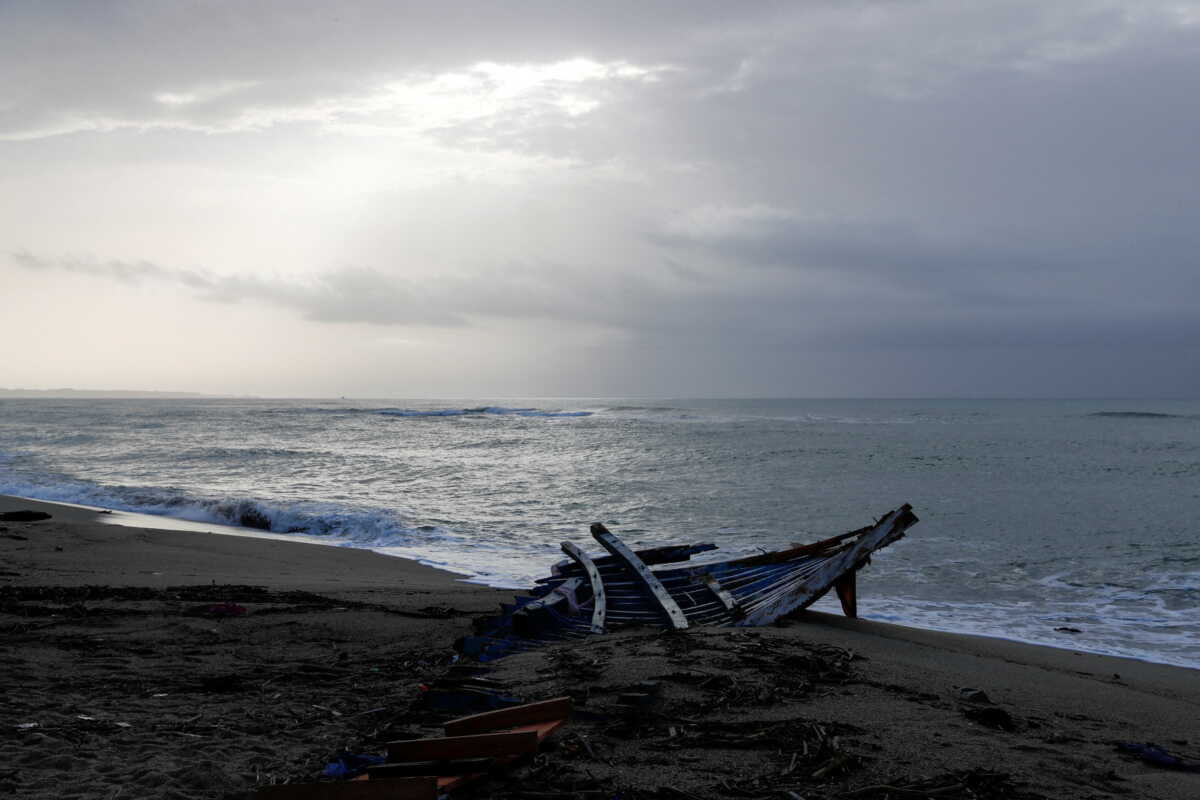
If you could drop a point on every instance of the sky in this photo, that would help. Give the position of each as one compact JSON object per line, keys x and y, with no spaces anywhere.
{"x":806,"y":199}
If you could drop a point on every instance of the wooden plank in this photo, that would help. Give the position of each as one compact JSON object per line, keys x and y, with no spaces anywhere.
{"x":528,"y":714}
{"x":642,"y":573}
{"x":444,"y":768}
{"x":847,"y":593}
{"x":668,"y":554}
{"x":599,"y":598}
{"x":822,"y":548}
{"x":452,"y":747}
{"x":422,"y":788}
{"x":449,"y":782}
{"x":564,"y":591}
{"x":829,"y":546}
{"x":541,"y":730}
{"x":729,"y":601}
{"x":815,"y":584}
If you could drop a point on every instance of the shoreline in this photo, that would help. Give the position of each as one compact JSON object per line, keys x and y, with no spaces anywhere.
{"x":176,"y":664}
{"x":78,"y":512}
{"x":128,"y":529}
{"x":130,"y":519}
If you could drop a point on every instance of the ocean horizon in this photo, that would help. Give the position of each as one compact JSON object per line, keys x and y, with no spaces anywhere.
{"x":1061,"y":522}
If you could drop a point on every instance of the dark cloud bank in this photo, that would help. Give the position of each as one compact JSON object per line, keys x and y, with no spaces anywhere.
{"x":984,"y":199}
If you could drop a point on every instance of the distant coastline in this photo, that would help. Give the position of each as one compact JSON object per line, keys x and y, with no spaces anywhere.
{"x":85,"y":393}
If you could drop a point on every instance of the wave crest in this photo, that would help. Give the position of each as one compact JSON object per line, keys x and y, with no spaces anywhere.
{"x":352,"y":526}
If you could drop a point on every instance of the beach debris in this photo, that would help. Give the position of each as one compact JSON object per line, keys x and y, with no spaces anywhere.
{"x":441,"y":612}
{"x":348,"y":765}
{"x":464,"y":688}
{"x":223,"y":610}
{"x":643,"y":694}
{"x":991,"y":717}
{"x":24,"y":515}
{"x":425,"y":769}
{"x":1158,"y":756}
{"x":976,"y":784}
{"x":587,"y":595}
{"x":465,"y":700}
{"x":974,"y":695}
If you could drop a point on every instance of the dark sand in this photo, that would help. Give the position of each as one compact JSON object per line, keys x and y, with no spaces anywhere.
{"x":119,"y":681}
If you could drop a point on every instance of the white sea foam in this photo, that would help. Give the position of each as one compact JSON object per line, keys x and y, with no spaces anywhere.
{"x":447,"y":411}
{"x":349,"y":526}
{"x":1146,"y":638}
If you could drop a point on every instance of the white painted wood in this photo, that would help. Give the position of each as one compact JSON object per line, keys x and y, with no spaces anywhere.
{"x":727,"y":600}
{"x":886,"y":531}
{"x":642,"y":573}
{"x":564,"y":591}
{"x":599,"y":599}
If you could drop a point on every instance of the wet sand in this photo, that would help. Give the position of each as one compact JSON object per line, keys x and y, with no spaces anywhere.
{"x":144,"y":663}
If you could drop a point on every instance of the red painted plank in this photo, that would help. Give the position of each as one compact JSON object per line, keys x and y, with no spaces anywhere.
{"x":528,"y":714}
{"x":478,"y":746}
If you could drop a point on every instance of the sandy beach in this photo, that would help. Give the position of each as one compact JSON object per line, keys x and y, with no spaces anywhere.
{"x":143,"y":663}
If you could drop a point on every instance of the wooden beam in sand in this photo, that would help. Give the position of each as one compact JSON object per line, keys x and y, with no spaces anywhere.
{"x":529,"y":714}
{"x":846,"y":588}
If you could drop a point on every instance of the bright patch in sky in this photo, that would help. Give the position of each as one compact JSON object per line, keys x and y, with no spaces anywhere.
{"x":484,"y":90}
{"x":202,"y":94}
{"x":708,"y":198}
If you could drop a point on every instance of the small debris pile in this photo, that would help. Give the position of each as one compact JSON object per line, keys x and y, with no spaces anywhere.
{"x":715,"y":715}
{"x":964,"y":785}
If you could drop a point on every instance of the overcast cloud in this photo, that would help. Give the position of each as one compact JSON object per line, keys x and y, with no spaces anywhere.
{"x":880,"y":199}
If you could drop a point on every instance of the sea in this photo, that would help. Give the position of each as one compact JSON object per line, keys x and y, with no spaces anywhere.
{"x":1070,"y":523}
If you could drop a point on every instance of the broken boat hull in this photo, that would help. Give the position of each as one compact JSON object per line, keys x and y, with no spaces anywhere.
{"x":586,"y":596}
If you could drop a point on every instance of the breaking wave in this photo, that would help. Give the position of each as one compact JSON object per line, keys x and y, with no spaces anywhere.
{"x":341,"y":524}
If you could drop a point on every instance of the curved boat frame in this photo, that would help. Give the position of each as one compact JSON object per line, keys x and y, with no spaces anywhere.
{"x":585,"y":596}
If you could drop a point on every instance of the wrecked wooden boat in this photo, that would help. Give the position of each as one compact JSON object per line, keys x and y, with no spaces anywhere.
{"x":587,"y":595}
